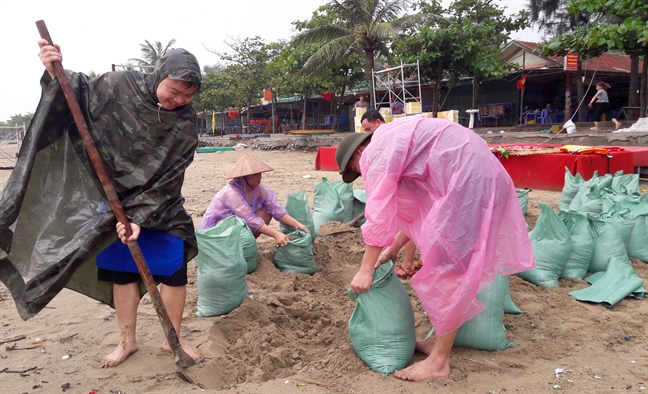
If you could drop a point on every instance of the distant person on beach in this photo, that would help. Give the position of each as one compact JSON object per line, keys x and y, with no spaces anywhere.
{"x":602,"y":106}
{"x":245,"y":197}
{"x":436,"y":183}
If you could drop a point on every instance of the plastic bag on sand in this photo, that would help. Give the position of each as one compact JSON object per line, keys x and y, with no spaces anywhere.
{"x":382,"y":324}
{"x":619,"y":281}
{"x":221,"y":279}
{"x":570,"y":127}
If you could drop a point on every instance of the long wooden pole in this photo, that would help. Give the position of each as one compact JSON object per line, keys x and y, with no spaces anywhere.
{"x":182,"y":359}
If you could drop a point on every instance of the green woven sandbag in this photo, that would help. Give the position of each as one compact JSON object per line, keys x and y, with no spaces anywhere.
{"x":570,"y":189}
{"x":619,"y":281}
{"x":333,"y":203}
{"x":250,"y":250}
{"x":625,"y":184}
{"x":523,"y":198}
{"x":597,"y":182}
{"x":297,"y":207}
{"x":221,"y":279}
{"x":582,"y":238}
{"x":486,"y":330}
{"x":607,"y":243}
{"x":637,"y":244}
{"x":297,"y":256}
{"x":590,"y":201}
{"x":382,"y":324}
{"x":359,"y":202}
{"x":551,"y":245}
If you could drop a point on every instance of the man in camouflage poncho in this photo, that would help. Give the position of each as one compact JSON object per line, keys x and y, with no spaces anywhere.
{"x":54,"y":217}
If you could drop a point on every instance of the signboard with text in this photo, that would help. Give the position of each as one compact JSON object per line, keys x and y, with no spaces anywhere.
{"x":571,"y":62}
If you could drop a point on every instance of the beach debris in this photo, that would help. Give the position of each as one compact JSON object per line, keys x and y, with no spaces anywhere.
{"x":559,"y":371}
{"x":65,"y":386}
{"x":312,"y":382}
{"x":556,"y":387}
{"x":626,"y":337}
{"x":7,"y":370}
{"x":14,"y":339}
{"x":65,"y":357}
{"x":307,"y":176}
{"x":38,"y":340}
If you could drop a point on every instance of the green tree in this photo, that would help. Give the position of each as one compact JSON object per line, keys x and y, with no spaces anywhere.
{"x":364,"y":27}
{"x":625,"y":28}
{"x":150,"y":54}
{"x":466,"y":42}
{"x":247,"y":68}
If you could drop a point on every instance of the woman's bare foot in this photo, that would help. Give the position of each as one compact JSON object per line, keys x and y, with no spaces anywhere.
{"x":426,"y":346}
{"x":190,"y":350}
{"x":119,"y":355}
{"x":617,"y":125}
{"x":594,"y":128}
{"x":429,"y":368}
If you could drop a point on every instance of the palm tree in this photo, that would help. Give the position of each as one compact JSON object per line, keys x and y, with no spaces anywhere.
{"x":365,"y":27}
{"x":151,"y":54}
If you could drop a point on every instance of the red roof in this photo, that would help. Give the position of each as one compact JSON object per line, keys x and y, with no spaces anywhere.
{"x":605,"y":63}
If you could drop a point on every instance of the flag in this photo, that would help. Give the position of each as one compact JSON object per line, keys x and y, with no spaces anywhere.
{"x":327,"y":96}
{"x":213,"y":122}
{"x":520,"y":83}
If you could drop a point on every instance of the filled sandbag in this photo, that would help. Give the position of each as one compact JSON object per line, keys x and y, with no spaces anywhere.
{"x":333,"y":203}
{"x":297,"y":207}
{"x":607,"y":243}
{"x":637,"y":244}
{"x":626,"y":184}
{"x":250,"y":250}
{"x":582,"y":238}
{"x":382,"y":324}
{"x":594,"y":185}
{"x":221,"y":278}
{"x":551,"y":245}
{"x":297,"y":256}
{"x":570,"y":189}
{"x":486,"y":330}
{"x":523,"y":198}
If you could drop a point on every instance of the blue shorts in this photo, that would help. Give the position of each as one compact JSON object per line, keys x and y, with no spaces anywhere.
{"x":164,"y":254}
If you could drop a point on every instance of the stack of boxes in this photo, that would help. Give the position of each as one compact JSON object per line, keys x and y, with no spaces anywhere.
{"x":358,"y":115}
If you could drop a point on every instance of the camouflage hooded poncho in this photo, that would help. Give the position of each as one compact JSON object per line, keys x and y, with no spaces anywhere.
{"x":54,"y":216}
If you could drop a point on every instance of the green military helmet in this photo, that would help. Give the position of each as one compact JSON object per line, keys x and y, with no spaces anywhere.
{"x":345,"y":150}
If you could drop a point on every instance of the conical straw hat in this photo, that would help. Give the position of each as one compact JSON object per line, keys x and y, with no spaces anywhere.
{"x":247,"y":165}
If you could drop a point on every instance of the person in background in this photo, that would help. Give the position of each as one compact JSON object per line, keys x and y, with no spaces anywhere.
{"x":360,"y":104}
{"x":602,"y":106}
{"x":436,"y":182}
{"x":245,"y":197}
{"x":371,"y":120}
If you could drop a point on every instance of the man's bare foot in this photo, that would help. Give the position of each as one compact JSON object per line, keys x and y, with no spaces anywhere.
{"x":617,"y":125}
{"x":594,"y":128}
{"x":426,"y":346}
{"x":119,"y":355}
{"x":429,"y":368}
{"x":190,"y":350}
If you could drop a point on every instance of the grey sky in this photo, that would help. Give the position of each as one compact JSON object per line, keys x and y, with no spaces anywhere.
{"x":94,"y":34}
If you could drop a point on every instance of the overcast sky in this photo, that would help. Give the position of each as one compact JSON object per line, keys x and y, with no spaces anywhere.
{"x":94,"y":34}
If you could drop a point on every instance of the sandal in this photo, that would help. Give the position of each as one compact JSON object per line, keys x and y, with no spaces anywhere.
{"x":404,"y":273}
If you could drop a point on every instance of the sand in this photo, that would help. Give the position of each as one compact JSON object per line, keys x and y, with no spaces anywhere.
{"x":290,"y":335}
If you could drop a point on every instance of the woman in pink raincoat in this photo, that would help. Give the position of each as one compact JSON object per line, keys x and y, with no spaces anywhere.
{"x":436,"y":183}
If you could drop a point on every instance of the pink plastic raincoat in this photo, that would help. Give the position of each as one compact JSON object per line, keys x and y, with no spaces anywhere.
{"x":438,"y":183}
{"x":232,"y":200}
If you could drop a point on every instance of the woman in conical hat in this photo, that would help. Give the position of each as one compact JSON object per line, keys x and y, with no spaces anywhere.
{"x":245,"y":197}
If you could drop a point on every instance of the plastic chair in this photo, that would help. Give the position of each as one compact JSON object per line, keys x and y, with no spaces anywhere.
{"x":542,"y":118}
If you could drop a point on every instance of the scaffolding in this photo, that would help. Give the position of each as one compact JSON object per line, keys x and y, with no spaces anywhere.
{"x":400,"y":84}
{"x":10,"y":146}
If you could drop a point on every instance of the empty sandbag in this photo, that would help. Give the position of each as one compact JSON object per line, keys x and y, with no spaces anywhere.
{"x":382,"y":324}
{"x":221,"y":279}
{"x":297,"y":256}
{"x":552,"y":245}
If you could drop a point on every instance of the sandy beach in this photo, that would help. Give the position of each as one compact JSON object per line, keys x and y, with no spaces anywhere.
{"x":290,"y":334}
